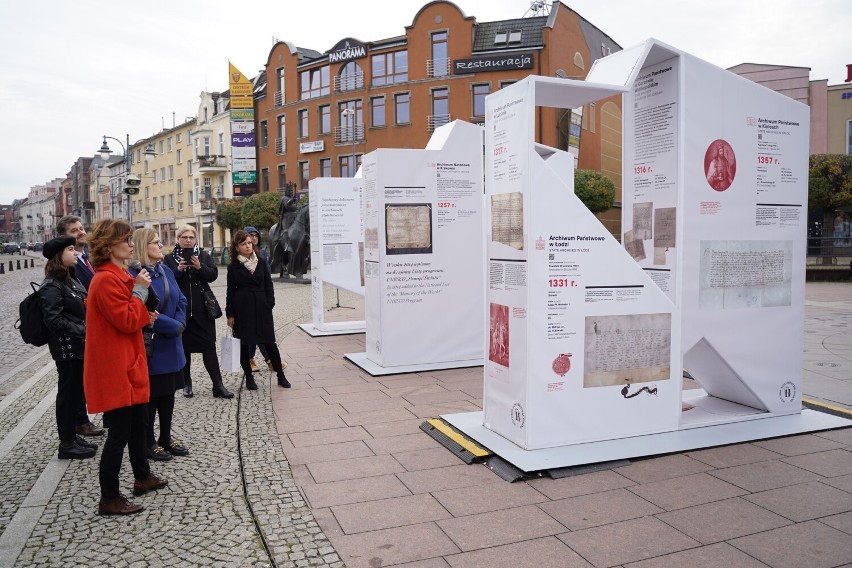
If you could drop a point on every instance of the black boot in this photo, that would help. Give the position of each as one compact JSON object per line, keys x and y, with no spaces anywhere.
{"x":187,"y":387}
{"x":219,"y":390}
{"x":282,"y":380}
{"x":73,"y":451}
{"x":250,"y":384}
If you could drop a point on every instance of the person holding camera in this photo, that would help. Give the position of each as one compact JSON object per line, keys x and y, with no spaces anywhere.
{"x":194,"y":270}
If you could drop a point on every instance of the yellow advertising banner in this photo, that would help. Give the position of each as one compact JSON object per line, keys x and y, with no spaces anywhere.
{"x":241,"y":88}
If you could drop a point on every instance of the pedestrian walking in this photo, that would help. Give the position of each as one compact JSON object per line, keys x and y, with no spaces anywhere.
{"x":194,"y":270}
{"x":115,"y":373}
{"x":166,"y":362}
{"x":248,"y":306}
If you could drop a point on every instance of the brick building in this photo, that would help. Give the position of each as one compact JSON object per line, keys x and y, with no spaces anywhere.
{"x":317,"y":113}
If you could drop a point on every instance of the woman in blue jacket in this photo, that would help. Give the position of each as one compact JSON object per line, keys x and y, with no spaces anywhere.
{"x":166,"y":363}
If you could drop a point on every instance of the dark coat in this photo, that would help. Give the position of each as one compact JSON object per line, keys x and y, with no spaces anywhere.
{"x":200,"y":333}
{"x":64,"y":310}
{"x":250,"y":299}
{"x":83,"y":274}
{"x":168,"y":354}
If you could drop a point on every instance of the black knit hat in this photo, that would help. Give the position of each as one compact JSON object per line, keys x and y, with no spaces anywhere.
{"x":57,"y":245}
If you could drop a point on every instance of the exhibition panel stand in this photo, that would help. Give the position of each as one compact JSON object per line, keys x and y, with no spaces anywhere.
{"x":337,"y":249}
{"x":423,"y":246}
{"x":582,"y":345}
{"x":587,"y":338}
{"x":715,"y":211}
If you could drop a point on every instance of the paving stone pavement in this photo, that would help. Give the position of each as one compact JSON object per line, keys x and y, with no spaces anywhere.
{"x":336,"y":470}
{"x":203,"y":518}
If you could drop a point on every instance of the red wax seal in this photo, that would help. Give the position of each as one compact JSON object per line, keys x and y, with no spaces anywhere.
{"x":562,"y":364}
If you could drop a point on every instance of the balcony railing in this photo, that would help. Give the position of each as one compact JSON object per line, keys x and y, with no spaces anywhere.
{"x":349,"y":134}
{"x":212,"y":163}
{"x":437,"y":120}
{"x":350,"y":82}
{"x":280,"y":146}
{"x":437,"y":67}
{"x":280,"y":98}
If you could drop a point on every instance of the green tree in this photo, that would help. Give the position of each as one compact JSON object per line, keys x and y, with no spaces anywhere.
{"x":261,"y":209}
{"x":594,"y":189}
{"x":829,"y":181}
{"x":229,"y":214}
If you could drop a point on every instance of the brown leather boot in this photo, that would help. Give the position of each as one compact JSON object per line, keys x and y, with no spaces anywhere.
{"x":142,"y":486}
{"x":118,"y":506}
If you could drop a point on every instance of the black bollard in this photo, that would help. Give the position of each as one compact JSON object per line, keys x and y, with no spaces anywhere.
{"x":19,"y":264}
{"x":10,"y":266}
{"x":2,"y":268}
{"x":32,"y":263}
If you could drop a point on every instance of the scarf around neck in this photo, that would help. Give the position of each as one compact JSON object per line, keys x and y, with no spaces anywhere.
{"x":250,"y":262}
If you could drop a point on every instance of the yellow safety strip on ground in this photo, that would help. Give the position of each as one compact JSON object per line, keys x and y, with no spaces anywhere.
{"x":452,"y":434}
{"x":839,"y":409}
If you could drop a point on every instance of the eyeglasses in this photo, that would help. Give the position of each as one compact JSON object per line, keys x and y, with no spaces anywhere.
{"x":157,"y":242}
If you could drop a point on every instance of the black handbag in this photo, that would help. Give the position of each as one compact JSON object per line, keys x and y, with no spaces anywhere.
{"x":148,"y":336}
{"x":211,"y":304}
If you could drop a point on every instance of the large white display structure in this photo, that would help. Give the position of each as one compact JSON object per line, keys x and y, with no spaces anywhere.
{"x":423,"y":236}
{"x":337,"y":248}
{"x":715,"y":211}
{"x":582,"y":345}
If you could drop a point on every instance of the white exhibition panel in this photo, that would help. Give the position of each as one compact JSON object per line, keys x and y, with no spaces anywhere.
{"x":337,"y":247}
{"x":770,"y":426}
{"x":582,"y":345}
{"x":424,"y":246}
{"x":715,"y":211}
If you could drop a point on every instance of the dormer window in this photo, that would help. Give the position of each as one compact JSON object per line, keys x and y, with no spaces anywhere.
{"x":515,"y":36}
{"x":500,"y":38}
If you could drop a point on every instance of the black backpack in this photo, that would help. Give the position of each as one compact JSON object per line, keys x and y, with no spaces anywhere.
{"x":31,"y":321}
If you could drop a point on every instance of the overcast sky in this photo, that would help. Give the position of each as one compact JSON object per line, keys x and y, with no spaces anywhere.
{"x":76,"y":70}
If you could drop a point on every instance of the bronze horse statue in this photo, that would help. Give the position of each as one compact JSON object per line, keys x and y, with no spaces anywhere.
{"x":290,"y":239}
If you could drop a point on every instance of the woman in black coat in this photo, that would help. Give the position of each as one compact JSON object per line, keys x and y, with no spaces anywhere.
{"x":248,"y":306}
{"x":194,"y":270}
{"x":64,"y":311}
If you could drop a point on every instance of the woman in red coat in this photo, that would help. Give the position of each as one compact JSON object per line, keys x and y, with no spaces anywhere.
{"x":115,"y":373}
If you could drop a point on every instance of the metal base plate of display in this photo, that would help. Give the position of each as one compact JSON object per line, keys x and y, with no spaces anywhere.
{"x":375,"y":370}
{"x":470,"y":424}
{"x":347,"y":328}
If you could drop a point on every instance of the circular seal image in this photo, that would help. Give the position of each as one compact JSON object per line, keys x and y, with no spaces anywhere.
{"x":518,"y":415}
{"x":720,"y":165}
{"x":787,"y":392}
{"x":562,"y":364}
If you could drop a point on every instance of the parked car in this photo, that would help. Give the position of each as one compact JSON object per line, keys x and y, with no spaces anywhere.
{"x":30,"y":246}
{"x":11,"y":247}
{"x":37,"y":246}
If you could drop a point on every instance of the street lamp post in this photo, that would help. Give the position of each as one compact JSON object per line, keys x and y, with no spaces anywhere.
{"x":105,"y":152}
{"x":347,"y":112}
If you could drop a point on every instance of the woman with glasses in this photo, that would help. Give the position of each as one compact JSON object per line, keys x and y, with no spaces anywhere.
{"x":248,"y":306}
{"x":194,"y":270}
{"x":166,"y":363}
{"x":115,"y":373}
